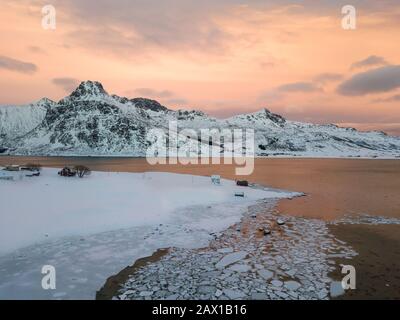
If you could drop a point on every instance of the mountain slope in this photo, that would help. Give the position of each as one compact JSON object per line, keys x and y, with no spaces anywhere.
{"x":18,"y":120}
{"x":91,"y":122}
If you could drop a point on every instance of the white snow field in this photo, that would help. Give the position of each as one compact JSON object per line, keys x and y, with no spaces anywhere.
{"x":91,"y":228}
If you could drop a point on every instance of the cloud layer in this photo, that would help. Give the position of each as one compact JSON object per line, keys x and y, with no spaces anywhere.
{"x":389,"y":99}
{"x":328,"y":77}
{"x":17,"y":65}
{"x":148,"y":92}
{"x":378,"y":80}
{"x":299,"y":87}
{"x":68,"y":84}
{"x":217,"y":56}
{"x":369,"y":62}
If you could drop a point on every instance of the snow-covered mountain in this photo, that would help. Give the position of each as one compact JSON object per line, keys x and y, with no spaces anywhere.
{"x":92,"y":122}
{"x":17,"y":120}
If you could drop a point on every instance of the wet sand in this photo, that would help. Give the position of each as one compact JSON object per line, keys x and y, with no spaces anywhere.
{"x":115,"y":282}
{"x":378,"y":263}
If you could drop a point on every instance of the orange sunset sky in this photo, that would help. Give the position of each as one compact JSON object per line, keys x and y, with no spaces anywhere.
{"x":222,"y":56}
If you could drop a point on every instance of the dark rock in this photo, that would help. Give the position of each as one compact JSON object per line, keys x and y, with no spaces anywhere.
{"x":242,"y":183}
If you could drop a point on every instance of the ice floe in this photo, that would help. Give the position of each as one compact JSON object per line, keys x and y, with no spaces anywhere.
{"x":272,"y":263}
{"x":366,"y":219}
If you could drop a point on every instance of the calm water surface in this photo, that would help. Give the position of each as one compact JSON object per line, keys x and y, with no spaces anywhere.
{"x":334,"y":187}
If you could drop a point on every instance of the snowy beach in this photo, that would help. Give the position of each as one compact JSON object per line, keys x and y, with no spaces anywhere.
{"x":93,"y":227}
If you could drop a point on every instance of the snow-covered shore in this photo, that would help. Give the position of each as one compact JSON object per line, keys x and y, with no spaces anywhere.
{"x":93,"y":227}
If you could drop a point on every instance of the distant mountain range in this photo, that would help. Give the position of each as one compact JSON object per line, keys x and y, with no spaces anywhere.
{"x":91,"y":122}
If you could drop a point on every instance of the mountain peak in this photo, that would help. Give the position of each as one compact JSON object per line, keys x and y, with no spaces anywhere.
{"x":272,"y":116}
{"x":263,"y":114}
{"x":88,"y":89}
{"x":45,"y":100}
